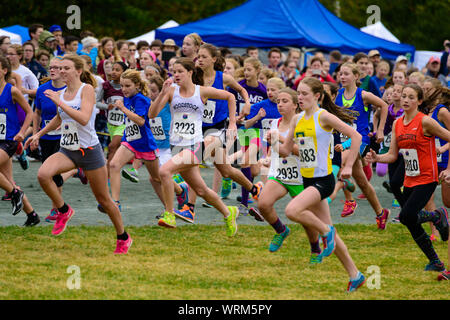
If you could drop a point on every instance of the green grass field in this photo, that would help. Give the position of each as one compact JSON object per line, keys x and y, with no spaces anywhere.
{"x":199,"y":262}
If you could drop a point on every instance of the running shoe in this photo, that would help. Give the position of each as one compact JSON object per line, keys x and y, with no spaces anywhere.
{"x":185,"y":214}
{"x":19,"y":149}
{"x":230,"y":221}
{"x":329,"y":242}
{"x":61,"y":221}
{"x":243,"y":210}
{"x":177,"y":178}
{"x":226,"y":188}
{"x":122,"y":246}
{"x":433,"y":237}
{"x":17,"y":201}
{"x":396,"y":219}
{"x":239,"y":199}
{"x":206,"y":205}
{"x":278,"y":239}
{"x":168,"y":220}
{"x":183,"y":198}
{"x":234,"y":185}
{"x":442,"y":224}
{"x":6,"y":197}
{"x":52,"y":216}
{"x":82,"y":176}
{"x":362,"y":196}
{"x":349,"y":208}
{"x":395,"y":204}
{"x":349,"y":185}
{"x":259,"y":185}
{"x":315,"y":258}
{"x":23,"y":160}
{"x":32,"y":220}
{"x":382,"y":219}
{"x":445,"y":275}
{"x":353,"y":285}
{"x":131,"y":174}
{"x":254,"y":212}
{"x":435,"y":265}
{"x":387,"y":186}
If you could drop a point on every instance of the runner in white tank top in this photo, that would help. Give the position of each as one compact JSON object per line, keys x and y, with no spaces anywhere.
{"x":80,"y":147}
{"x":187,"y":103}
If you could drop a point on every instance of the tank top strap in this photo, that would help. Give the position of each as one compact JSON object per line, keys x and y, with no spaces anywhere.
{"x":78,"y":96}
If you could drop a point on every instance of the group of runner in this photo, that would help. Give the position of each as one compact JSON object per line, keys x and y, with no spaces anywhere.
{"x":302,"y":135}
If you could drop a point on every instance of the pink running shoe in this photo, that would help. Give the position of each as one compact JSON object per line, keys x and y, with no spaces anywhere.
{"x":382,"y":219}
{"x":61,"y":221}
{"x":362,"y":196}
{"x":123,"y":246}
{"x":52,"y":216}
{"x":349,"y":208}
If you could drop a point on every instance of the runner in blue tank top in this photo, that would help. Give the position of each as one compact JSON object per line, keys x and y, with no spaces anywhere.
{"x":215,"y":125}
{"x":11,"y":135}
{"x":354,"y":99}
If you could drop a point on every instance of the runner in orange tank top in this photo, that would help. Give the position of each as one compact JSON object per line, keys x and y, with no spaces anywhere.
{"x":414,"y":137}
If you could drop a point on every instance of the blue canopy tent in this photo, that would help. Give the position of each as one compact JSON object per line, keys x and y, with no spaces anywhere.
{"x":296,"y":23}
{"x":20,"y":30}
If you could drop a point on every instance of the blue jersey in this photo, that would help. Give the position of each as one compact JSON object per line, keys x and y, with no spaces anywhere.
{"x":443,"y":158}
{"x":47,"y":107}
{"x":215,"y":110}
{"x":358,"y":110}
{"x":271,"y":112}
{"x":9,"y":121}
{"x":160,"y":127}
{"x":140,"y":138}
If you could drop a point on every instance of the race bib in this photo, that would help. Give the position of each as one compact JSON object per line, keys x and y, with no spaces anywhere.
{"x":69,"y":136}
{"x":132,"y":131}
{"x":55,"y":132}
{"x":307,"y":152}
{"x":412,"y":168}
{"x":209,"y":111}
{"x":116,"y":117}
{"x":2,"y":126}
{"x":387,"y":140}
{"x":344,"y":137}
{"x":288,"y":170}
{"x":185,"y":126}
{"x":438,"y":145}
{"x":157,"y":128}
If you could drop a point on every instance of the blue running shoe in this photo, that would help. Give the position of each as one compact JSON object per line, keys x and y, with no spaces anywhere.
{"x":278,"y":239}
{"x":395,"y":204}
{"x":435,"y":265}
{"x":226,"y":188}
{"x":329,"y":242}
{"x":315,"y":258}
{"x":183,"y":198}
{"x":353,"y":285}
{"x":23,"y":160}
{"x":177,"y":178}
{"x":185,"y":214}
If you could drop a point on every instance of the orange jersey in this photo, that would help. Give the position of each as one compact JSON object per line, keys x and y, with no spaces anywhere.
{"x":418,"y":150}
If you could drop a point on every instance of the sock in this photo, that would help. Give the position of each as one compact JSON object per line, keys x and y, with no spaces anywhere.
{"x":248,"y":174}
{"x":123,"y":236}
{"x":426,"y":246}
{"x":379,"y":214}
{"x":32,"y":213}
{"x":64,"y":208}
{"x":329,"y":200}
{"x":278,"y":226}
{"x":191,"y":207}
{"x":426,"y":216}
{"x":357,"y":276}
{"x":315,"y":247}
{"x":254,"y":190}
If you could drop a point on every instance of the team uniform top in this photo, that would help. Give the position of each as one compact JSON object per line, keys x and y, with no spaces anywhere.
{"x":140,"y":138}
{"x":110,"y":95}
{"x":215,"y":110}
{"x":187,"y":118}
{"x":287,"y":170}
{"x":443,"y":158}
{"x":418,"y":150}
{"x":391,"y":117}
{"x":48,"y":109}
{"x":160,"y":127}
{"x":272,"y":113}
{"x":9,"y":123}
{"x":314,"y":144}
{"x":358,"y":110}
{"x":74,"y":135}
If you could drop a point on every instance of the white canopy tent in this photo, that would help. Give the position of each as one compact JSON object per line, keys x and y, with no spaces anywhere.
{"x":150,"y":36}
{"x":380,"y":31}
{"x":15,"y":38}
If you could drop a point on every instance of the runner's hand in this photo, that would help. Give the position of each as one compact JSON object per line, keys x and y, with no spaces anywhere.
{"x":32,"y":142}
{"x":371,"y":156}
{"x":379,"y":136}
